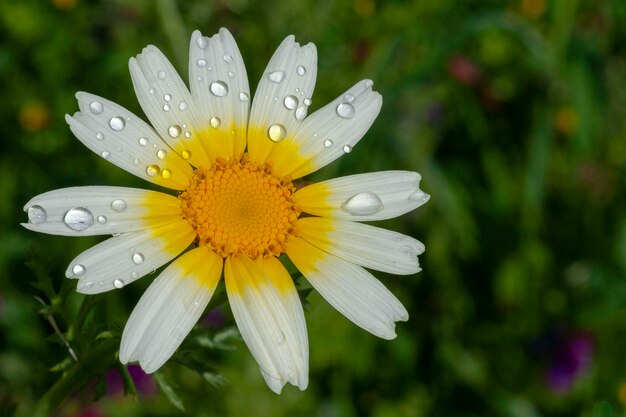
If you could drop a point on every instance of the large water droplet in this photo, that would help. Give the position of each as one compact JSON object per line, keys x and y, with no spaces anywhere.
{"x":37,"y":214}
{"x":161,"y":75}
{"x":99,"y":136}
{"x":419,"y":196}
{"x":96,"y":107}
{"x":300,"y":70}
{"x":201,"y":63}
{"x":291,"y":102}
{"x":277,"y":132}
{"x":307,"y":102}
{"x":117,"y":123}
{"x":219,"y":88}
{"x":276,"y":76}
{"x":143,"y":141}
{"x":166,"y":173}
{"x":186,"y":154}
{"x":301,"y":113}
{"x":347,"y":148}
{"x":328,"y":143}
{"x":228,"y":58}
{"x":138,"y":258}
{"x":363,"y":204}
{"x":102,"y":219}
{"x":215,"y":122}
{"x":106,"y":154}
{"x":78,"y":219}
{"x":119,"y":205}
{"x":345,"y":110}
{"x":244,"y":97}
{"x":167,"y":97}
{"x":174,"y":131}
{"x":78,"y":270}
{"x":161,"y":153}
{"x":202,"y":42}
{"x":118,"y":283}
{"x":153,"y":170}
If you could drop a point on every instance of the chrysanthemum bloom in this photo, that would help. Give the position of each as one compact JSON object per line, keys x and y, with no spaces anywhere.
{"x":236,"y":205}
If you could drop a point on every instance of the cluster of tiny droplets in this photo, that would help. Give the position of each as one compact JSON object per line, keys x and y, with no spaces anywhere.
{"x":240,"y":207}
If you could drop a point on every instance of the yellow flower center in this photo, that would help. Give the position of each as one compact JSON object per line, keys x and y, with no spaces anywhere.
{"x":240,"y":207}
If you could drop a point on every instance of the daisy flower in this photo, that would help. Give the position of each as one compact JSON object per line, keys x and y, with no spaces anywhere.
{"x":235,"y":206}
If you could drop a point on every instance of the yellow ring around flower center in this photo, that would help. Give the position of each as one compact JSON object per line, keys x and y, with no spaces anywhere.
{"x":239,"y":207}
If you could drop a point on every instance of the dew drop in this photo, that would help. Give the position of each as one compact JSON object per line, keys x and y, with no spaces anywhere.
{"x":134,"y":275}
{"x":276,"y":76}
{"x":167,"y":97}
{"x":348,"y":98}
{"x":186,"y":154}
{"x":188,"y":134}
{"x":153,"y":170}
{"x":228,"y":58}
{"x":215,"y":122}
{"x":96,"y":107}
{"x":101,"y":283}
{"x":143,"y":141}
{"x":37,"y":214}
{"x":347,"y":148}
{"x":230,"y":74}
{"x":78,"y":270}
{"x":161,"y":153}
{"x":277,"y":132}
{"x":88,"y":284}
{"x":78,"y":219}
{"x":152,"y":91}
{"x":300,"y":70}
{"x":161,"y":75}
{"x":345,"y":110}
{"x":166,"y":173}
{"x":363,"y":204}
{"x":244,"y":97}
{"x":202,"y":63}
{"x":369,"y":83}
{"x":118,"y":283}
{"x":138,"y":258}
{"x":99,"y":136}
{"x":328,"y":143}
{"x":105,"y":154}
{"x":182,"y":106}
{"x":219,"y":88}
{"x":174,"y":131}
{"x":419,"y":196}
{"x":307,"y":102}
{"x":301,"y":113}
{"x":136,"y":161}
{"x":166,"y":107}
{"x":291,"y":102}
{"x":102,"y":219}
{"x":201,"y":42}
{"x":117,"y":123}
{"x":119,"y":205}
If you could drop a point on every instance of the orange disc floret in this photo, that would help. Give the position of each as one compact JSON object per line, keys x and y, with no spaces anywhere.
{"x":240,"y":207}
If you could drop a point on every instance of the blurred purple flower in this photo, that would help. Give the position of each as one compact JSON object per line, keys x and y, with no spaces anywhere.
{"x":214,"y":319}
{"x":572,"y":358}
{"x":143,"y":382}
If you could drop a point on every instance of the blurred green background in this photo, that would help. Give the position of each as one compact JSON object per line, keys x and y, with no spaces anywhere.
{"x":514,"y":112}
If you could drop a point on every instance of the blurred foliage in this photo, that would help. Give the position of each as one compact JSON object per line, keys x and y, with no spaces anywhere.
{"x":513,"y":111}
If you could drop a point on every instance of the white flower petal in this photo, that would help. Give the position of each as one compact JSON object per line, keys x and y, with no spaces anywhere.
{"x":263,"y":308}
{"x":336,"y":128}
{"x":167,"y":102}
{"x":125,"y":140}
{"x":365,"y":245}
{"x":364,"y":197}
{"x":219,"y":85}
{"x":282,"y":96}
{"x":99,"y":210}
{"x":170,"y":308}
{"x":352,"y":290}
{"x":124,"y":258}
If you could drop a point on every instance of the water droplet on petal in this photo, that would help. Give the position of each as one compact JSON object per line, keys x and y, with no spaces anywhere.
{"x":143,"y":141}
{"x":228,"y":58}
{"x":166,"y":173}
{"x":96,"y":107}
{"x":301,"y":113}
{"x":152,"y":91}
{"x":182,"y":106}
{"x":138,"y":258}
{"x":277,"y":132}
{"x":276,"y":76}
{"x":37,"y":214}
{"x":161,"y":153}
{"x":307,"y":102}
{"x":99,"y":136}
{"x":88,"y":284}
{"x":345,"y":110}
{"x":419,"y":196}
{"x":134,"y":275}
{"x":369,"y":83}
{"x":167,"y":97}
{"x":201,"y":63}
{"x":219,"y":88}
{"x":153,"y":170}
{"x":230,"y":74}
{"x":78,"y":219}
{"x":300,"y":70}
{"x":161,"y":75}
{"x":117,"y":123}
{"x":328,"y":143}
{"x":215,"y":122}
{"x":187,"y":134}
{"x":348,"y":98}
{"x":202,"y":42}
{"x":291,"y":102}
{"x":347,"y":148}
{"x":363,"y":204}
{"x":102,"y":219}
{"x":119,"y":205}
{"x":105,"y":154}
{"x":118,"y":283}
{"x":166,"y":107}
{"x":186,"y":154}
{"x":174,"y":131}
{"x":78,"y":270}
{"x":244,"y":97}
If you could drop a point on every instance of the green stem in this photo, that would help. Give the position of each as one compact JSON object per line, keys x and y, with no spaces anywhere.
{"x":90,"y":365}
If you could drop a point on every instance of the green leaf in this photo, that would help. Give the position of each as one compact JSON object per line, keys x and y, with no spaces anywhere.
{"x":168,"y":390}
